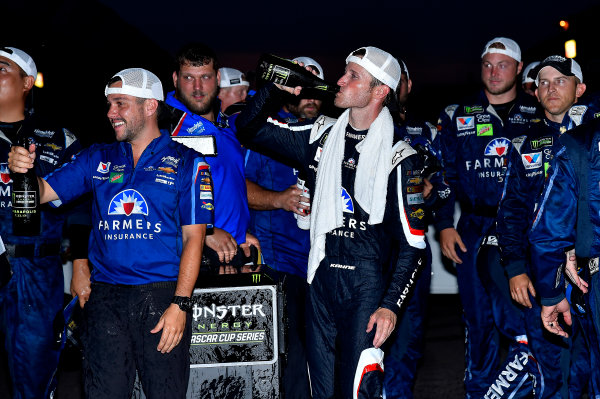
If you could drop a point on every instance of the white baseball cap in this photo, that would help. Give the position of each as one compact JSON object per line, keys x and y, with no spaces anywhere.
{"x":137,"y":82}
{"x":511,"y":48}
{"x":21,"y":58}
{"x":232,"y":77}
{"x":381,"y":64}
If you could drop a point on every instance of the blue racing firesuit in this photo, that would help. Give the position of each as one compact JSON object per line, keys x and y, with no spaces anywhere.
{"x":406,"y":348}
{"x":227,"y":168}
{"x":475,"y":144}
{"x":351,"y":281}
{"x":569,"y":216}
{"x":530,"y":162}
{"x":34,"y":294}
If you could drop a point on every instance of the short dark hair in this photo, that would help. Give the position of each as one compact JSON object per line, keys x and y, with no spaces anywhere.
{"x":195,"y":54}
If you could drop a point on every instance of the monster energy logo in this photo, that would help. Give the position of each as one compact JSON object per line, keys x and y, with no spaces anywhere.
{"x":542,"y":142}
{"x":255,"y":278}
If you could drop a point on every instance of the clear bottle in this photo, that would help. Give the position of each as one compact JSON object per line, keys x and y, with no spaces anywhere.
{"x":272,"y":68}
{"x":25,"y":199}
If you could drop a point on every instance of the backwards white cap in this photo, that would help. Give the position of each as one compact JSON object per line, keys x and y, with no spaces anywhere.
{"x":511,"y":48}
{"x":137,"y":82}
{"x":232,"y":77}
{"x":21,"y":58}
{"x":381,"y":64}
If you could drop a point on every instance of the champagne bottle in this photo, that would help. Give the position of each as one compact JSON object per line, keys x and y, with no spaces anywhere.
{"x":272,"y":68}
{"x":25,"y":199}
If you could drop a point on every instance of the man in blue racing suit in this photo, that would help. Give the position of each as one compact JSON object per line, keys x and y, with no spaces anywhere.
{"x":152,"y":202}
{"x":568,"y":217}
{"x":194,"y":111}
{"x":476,"y":137}
{"x":560,"y":86}
{"x":34,"y":294}
{"x":367,"y":194}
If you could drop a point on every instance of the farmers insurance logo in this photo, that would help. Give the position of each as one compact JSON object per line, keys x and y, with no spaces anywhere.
{"x":128,"y":202}
{"x":497,"y":147}
{"x":348,"y":204}
{"x":4,"y":173}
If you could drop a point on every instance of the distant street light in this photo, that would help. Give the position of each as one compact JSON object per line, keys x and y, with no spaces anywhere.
{"x":39,"y":80}
{"x":570,"y":49}
{"x":564,"y":24}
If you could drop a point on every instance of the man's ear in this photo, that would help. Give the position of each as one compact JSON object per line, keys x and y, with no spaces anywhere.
{"x":150,"y":106}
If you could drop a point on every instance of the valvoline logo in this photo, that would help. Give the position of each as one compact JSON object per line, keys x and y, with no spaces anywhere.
{"x":532,"y":161}
{"x":4,"y":173}
{"x":128,"y":202}
{"x":465,"y":122}
{"x":497,"y":147}
{"x":103,"y":167}
{"x":348,"y":204}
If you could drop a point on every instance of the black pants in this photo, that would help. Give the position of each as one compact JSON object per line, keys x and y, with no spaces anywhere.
{"x":117,"y":341}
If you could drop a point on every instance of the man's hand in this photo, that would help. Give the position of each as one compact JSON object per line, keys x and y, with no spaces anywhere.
{"x":223,"y":244}
{"x":289,"y":200}
{"x":427,"y":188}
{"x":250,"y":240}
{"x":449,"y":238}
{"x":20,"y":159}
{"x":386,"y":322}
{"x":550,"y":317}
{"x":80,"y":282}
{"x":520,"y":287}
{"x":571,"y":271}
{"x":172,"y":324}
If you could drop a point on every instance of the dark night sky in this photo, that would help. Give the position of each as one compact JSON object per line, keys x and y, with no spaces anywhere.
{"x":80,"y":44}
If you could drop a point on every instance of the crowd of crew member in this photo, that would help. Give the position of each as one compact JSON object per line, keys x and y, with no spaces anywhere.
{"x":527,"y":283}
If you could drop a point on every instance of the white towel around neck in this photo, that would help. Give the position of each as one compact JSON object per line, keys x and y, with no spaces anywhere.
{"x":370,"y":184}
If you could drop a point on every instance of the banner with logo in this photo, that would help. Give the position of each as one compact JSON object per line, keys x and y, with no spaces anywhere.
{"x":234,"y":326}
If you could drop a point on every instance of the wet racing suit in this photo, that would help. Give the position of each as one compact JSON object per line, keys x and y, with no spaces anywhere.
{"x":351,"y":281}
{"x":530,"y":162}
{"x":568,"y":216}
{"x":34,"y":294}
{"x":476,"y":140}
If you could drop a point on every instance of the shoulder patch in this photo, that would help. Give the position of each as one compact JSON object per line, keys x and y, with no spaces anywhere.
{"x":400,"y":151}
{"x":69,"y":137}
{"x":576,"y":113}
{"x":517,"y":143}
{"x":449,"y":110}
{"x":320,"y":126}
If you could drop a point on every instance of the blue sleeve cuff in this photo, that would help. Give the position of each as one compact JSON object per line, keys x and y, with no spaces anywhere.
{"x":552,"y":301}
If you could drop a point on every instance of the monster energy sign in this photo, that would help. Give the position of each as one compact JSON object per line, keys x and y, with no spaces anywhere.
{"x":234,"y":325}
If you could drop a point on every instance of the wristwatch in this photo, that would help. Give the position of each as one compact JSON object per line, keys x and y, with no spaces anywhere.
{"x":184,"y":303}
